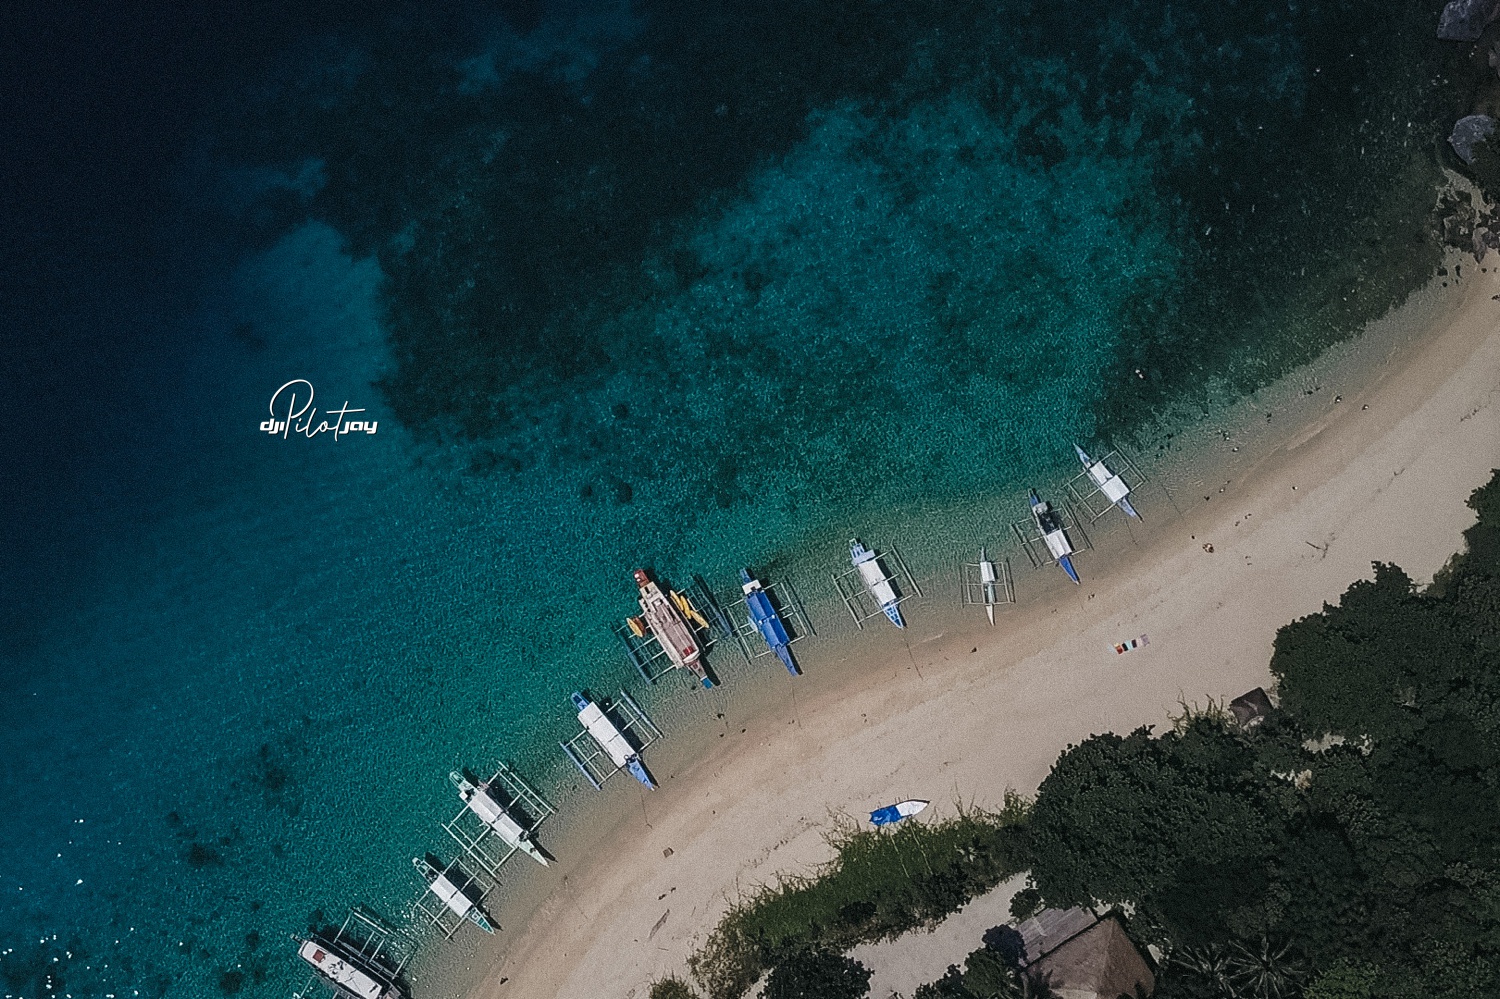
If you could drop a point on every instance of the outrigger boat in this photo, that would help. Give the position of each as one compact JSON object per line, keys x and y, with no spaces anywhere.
{"x":895,"y":813}
{"x":767,"y":621}
{"x":1110,"y":484}
{"x":482,"y":802}
{"x":1050,"y":526}
{"x":876,"y":581}
{"x":987,"y":580}
{"x":668,"y":617}
{"x":440,"y":881}
{"x":610,"y":739}
{"x":352,"y":976}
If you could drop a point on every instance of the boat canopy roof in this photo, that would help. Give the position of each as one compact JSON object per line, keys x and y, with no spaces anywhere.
{"x":355,"y":980}
{"x":494,"y":815}
{"x":604,"y":732}
{"x":450,"y":894}
{"x":1114,"y":488}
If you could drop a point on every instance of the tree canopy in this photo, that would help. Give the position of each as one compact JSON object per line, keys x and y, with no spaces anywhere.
{"x":817,"y":974}
{"x":1347,"y":846}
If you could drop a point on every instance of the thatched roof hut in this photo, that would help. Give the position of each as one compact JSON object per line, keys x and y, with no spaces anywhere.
{"x":1251,"y":707}
{"x":1082,"y":956}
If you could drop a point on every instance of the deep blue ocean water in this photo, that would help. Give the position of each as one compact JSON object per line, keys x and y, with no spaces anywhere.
{"x":668,"y":284}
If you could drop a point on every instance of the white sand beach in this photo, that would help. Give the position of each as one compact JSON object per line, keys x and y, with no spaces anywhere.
{"x":1381,"y":474}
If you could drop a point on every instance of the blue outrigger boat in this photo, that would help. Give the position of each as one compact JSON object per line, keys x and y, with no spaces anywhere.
{"x":1049,"y":524}
{"x":767,"y":621}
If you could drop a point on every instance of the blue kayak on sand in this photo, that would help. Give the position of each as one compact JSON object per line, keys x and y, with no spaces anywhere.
{"x":895,"y":813}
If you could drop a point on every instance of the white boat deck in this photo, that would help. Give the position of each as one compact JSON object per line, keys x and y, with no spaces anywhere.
{"x":494,"y":815}
{"x":1111,"y":485}
{"x":1102,"y":486}
{"x":1057,"y":543}
{"x":604,"y":732}
{"x":451,"y":895}
{"x":346,"y":976}
{"x":876,"y":582}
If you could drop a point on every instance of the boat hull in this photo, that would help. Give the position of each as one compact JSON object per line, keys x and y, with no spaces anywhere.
{"x":608,"y":737}
{"x":767,"y":621}
{"x":483,"y":804}
{"x":349,"y":976}
{"x":639,"y":772}
{"x":1050,"y":526}
{"x":987,"y":580}
{"x":1067,"y":566}
{"x":877,"y":583}
{"x":672,"y":631}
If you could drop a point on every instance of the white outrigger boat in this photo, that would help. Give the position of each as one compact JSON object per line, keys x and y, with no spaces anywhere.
{"x":456,"y":897}
{"x":670,"y":619}
{"x":480,"y":799}
{"x":1049,"y":525}
{"x":610,"y":740}
{"x":1109,"y":483}
{"x":348,"y":977}
{"x":987,"y":581}
{"x":877,"y":583}
{"x":354,"y":966}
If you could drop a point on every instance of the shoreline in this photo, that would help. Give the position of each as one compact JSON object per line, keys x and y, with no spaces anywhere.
{"x":869,"y":722}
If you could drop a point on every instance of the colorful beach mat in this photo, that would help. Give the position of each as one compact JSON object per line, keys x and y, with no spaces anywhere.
{"x":1132,"y":643}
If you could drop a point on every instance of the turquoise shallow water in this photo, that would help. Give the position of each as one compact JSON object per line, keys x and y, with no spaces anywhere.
{"x":756,"y":314}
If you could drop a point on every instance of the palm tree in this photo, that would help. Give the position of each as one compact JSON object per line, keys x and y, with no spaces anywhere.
{"x":1209,"y":963}
{"x":1267,"y":971}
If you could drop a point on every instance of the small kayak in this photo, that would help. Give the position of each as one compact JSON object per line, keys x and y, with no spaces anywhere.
{"x":895,"y":813}
{"x":767,"y":621}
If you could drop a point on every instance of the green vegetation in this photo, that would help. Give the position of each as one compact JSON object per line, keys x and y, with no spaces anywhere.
{"x":880,"y":884}
{"x":986,"y":975}
{"x":819,"y":974}
{"x":672,"y":987}
{"x":1345,"y":847}
{"x":1348,"y":845}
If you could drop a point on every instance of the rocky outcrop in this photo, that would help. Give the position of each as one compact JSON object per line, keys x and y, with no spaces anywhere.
{"x":1465,"y":20}
{"x":1468,"y":132}
{"x":1466,"y":226}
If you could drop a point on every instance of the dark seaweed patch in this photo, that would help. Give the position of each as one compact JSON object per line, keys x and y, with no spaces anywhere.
{"x":200,"y":857}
